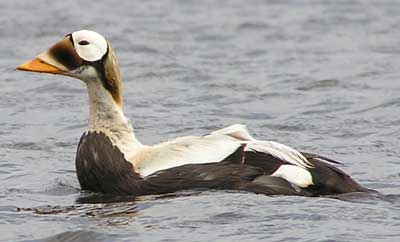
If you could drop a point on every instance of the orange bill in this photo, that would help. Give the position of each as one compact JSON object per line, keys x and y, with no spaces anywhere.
{"x":37,"y":65}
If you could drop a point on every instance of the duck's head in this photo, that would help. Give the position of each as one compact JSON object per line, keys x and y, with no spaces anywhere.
{"x":83,"y":54}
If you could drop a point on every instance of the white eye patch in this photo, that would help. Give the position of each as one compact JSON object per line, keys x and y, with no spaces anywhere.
{"x":89,"y":45}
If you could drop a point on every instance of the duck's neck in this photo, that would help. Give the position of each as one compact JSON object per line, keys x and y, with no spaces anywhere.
{"x":106,"y":116}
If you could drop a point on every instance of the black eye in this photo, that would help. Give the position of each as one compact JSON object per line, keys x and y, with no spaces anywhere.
{"x":83,"y":42}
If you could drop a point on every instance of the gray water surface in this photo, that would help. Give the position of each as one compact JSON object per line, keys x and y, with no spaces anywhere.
{"x":320,"y":76}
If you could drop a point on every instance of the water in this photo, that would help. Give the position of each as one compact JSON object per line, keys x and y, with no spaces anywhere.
{"x":321,"y":76}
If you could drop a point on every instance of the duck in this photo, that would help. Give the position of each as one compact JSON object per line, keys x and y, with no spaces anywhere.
{"x":110,"y":159}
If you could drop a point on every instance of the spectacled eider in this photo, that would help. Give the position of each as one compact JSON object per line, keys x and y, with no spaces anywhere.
{"x":110,"y":159}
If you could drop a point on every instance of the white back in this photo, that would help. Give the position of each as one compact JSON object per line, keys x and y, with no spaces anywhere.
{"x":214,"y":148}
{"x":89,"y":45}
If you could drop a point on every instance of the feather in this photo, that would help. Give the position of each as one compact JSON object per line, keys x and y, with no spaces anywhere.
{"x":211,"y":148}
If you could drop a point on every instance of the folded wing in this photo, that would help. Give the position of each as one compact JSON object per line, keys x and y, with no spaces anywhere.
{"x":233,"y":144}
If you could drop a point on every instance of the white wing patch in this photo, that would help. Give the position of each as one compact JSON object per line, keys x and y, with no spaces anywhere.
{"x":280,"y":151}
{"x":237,"y":131}
{"x":215,"y":147}
{"x":295,"y":175}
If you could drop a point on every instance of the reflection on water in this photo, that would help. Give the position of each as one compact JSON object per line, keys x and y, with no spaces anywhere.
{"x":76,"y":236}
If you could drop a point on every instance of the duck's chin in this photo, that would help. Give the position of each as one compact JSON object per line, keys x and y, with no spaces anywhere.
{"x":86,"y":73}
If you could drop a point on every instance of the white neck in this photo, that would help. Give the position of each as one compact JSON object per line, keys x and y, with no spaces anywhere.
{"x":106,"y":116}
